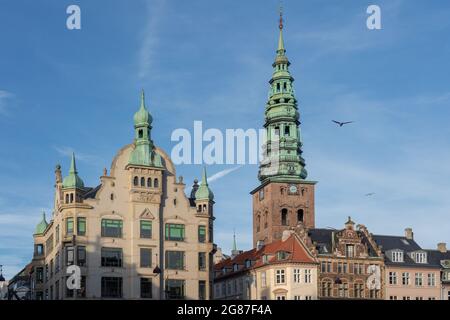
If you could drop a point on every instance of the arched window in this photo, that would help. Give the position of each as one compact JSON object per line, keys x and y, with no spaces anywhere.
{"x":149,"y":182}
{"x":287,"y":130}
{"x":142,"y":182}
{"x":204,"y":208}
{"x":136,"y":181}
{"x":156,"y":183}
{"x":284,"y":86}
{"x":265,"y":220}
{"x":67,"y":198}
{"x":141,"y":133}
{"x":278,"y":87}
{"x":199,"y":208}
{"x":175,"y":201}
{"x":258,"y":223}
{"x":300,"y":215}
{"x":71,"y":197}
{"x":277,"y":131}
{"x":112,"y":196}
{"x":284,"y":214}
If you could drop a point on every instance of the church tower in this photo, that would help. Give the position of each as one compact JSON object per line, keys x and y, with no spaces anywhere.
{"x":284,"y":198}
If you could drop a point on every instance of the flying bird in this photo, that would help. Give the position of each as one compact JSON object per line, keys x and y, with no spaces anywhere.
{"x":369,"y":194}
{"x":342,"y":123}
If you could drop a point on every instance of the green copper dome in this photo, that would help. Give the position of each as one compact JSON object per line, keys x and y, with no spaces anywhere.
{"x":40,"y":228}
{"x":142,"y":116}
{"x":204,"y":192}
{"x":73,"y":180}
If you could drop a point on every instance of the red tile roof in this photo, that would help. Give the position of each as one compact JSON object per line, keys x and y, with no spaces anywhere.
{"x":293,"y":246}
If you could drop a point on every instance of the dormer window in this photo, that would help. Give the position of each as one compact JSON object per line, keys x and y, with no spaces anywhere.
{"x":421,"y":257}
{"x":235,"y":267}
{"x":265,"y":259}
{"x":397,"y":256}
{"x":248,"y":263}
{"x":224,"y":270}
{"x":282,"y":255}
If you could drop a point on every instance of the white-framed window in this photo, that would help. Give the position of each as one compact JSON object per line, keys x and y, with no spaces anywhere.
{"x":397,"y":256}
{"x":349,"y":250}
{"x":421,"y":257}
{"x":263,"y":279}
{"x":308,"y":276}
{"x":418,"y":279}
{"x":297,"y":276}
{"x":431,"y":280}
{"x":280,"y":276}
{"x":405,"y":279}
{"x":392,"y":277}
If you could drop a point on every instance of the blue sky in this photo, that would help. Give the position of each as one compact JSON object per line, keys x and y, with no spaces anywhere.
{"x":64,"y":90}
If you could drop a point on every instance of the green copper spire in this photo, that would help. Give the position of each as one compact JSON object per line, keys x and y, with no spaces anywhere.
{"x":143,"y":153}
{"x":40,"y":228}
{"x":283,"y":155}
{"x":73,"y":180}
{"x":234,"y":241}
{"x":204,"y":192}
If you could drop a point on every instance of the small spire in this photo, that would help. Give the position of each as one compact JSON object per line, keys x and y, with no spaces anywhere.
{"x":142,"y":99}
{"x":204,"y":177}
{"x":73,"y":165}
{"x":234,"y":240}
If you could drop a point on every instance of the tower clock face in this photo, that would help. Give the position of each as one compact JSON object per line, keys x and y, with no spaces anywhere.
{"x":293,"y":188}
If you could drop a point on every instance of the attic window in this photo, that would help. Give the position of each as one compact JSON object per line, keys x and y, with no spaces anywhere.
{"x":265,"y":258}
{"x":248,"y":263}
{"x":235,"y":267}
{"x":282,"y":255}
{"x":421,"y":257}
{"x":397,"y":256}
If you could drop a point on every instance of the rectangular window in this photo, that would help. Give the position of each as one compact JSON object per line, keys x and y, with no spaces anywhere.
{"x":57,"y":290}
{"x":47,"y":277}
{"x":201,"y":234}
{"x":146,"y":258}
{"x":81,"y":256}
{"x":69,"y":256}
{"x":392,"y":277}
{"x":69,"y":226}
{"x":81,"y":226}
{"x":175,"y":260}
{"x":296,"y":275}
{"x":201,"y":261}
{"x":112,"y":228}
{"x":39,"y":249}
{"x":202,"y":290}
{"x":80,"y":293}
{"x":174,"y":232}
{"x":397,"y":256}
{"x":349,"y":250}
{"x":51,"y":268}
{"x":146,"y":229}
{"x":431,"y":280}
{"x":57,"y":234}
{"x":111,"y":287}
{"x":57,"y":263}
{"x":280,"y":276}
{"x":175,"y":289}
{"x":323,"y":267}
{"x":418,"y":279}
{"x":308,"y":276}
{"x":49,"y":244}
{"x":263,"y":279}
{"x":39,"y":275}
{"x":359,"y":290}
{"x":146,"y":288}
{"x":111,"y":257}
{"x":405,"y":279}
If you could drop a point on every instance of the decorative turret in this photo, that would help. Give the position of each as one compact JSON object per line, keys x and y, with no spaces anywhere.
{"x":204,"y":197}
{"x":42,"y":225}
{"x":283,"y":155}
{"x":73,"y":180}
{"x":204,"y":192}
{"x":143,"y":153}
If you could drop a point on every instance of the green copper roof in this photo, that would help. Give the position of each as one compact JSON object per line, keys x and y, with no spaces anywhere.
{"x":73,"y":180}
{"x":40,"y":228}
{"x":204,"y":192}
{"x":283,"y":159}
{"x":143,"y":153}
{"x":142,"y":116}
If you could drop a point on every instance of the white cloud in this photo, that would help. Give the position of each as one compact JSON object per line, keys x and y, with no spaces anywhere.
{"x":222,"y":173}
{"x":150,"y":38}
{"x":67,"y":152}
{"x":4,"y":95}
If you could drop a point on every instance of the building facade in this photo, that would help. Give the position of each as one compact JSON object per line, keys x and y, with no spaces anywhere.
{"x":441,"y":257}
{"x":283,"y":270}
{"x":409,"y":274}
{"x":135,"y":236}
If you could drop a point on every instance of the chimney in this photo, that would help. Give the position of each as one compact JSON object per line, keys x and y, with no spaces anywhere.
{"x":442,"y":247}
{"x":259,"y":244}
{"x":409,"y":234}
